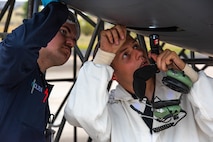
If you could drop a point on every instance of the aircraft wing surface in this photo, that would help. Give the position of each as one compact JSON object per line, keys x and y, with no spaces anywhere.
{"x":187,"y":24}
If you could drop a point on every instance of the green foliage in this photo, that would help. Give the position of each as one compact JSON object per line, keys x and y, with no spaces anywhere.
{"x":86,"y":28}
{"x":25,"y":7}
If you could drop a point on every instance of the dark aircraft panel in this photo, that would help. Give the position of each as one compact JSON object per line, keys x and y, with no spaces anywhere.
{"x":188,"y":24}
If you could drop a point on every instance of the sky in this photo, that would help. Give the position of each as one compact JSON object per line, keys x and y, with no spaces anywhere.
{"x":2,"y":2}
{"x":16,"y":0}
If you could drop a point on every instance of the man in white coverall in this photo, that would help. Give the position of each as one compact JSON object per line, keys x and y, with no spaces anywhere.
{"x":119,"y":115}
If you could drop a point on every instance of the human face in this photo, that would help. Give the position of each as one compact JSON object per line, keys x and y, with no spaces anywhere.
{"x":59,"y":48}
{"x":128,"y":59}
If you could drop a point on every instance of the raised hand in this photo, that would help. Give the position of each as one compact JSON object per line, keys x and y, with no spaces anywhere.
{"x":112,"y":39}
{"x":169,"y":59}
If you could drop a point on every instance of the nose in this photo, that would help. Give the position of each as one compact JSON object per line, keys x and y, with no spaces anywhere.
{"x":70,"y":42}
{"x":139,"y":55}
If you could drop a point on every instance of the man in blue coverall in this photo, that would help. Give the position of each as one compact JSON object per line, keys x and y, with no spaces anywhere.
{"x":39,"y":43}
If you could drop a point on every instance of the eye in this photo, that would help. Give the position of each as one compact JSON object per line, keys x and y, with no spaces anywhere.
{"x":135,"y":47}
{"x":125,"y":55}
{"x":63,"y":31}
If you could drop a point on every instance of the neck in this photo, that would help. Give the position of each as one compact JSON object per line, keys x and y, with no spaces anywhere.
{"x":43,"y":64}
{"x":43,"y":61}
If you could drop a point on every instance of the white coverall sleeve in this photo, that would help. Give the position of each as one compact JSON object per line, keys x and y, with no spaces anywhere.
{"x":201,"y":97}
{"x":87,"y":103}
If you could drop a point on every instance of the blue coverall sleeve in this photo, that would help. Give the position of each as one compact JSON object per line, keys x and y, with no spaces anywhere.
{"x":20,"y":49}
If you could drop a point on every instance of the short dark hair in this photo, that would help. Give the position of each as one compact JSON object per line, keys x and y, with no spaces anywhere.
{"x":73,"y":20}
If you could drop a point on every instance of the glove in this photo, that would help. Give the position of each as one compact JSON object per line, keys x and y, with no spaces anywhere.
{"x":46,"y":2}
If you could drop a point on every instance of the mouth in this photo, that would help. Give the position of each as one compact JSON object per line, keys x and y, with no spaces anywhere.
{"x":66,"y":51}
{"x":144,"y":63}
